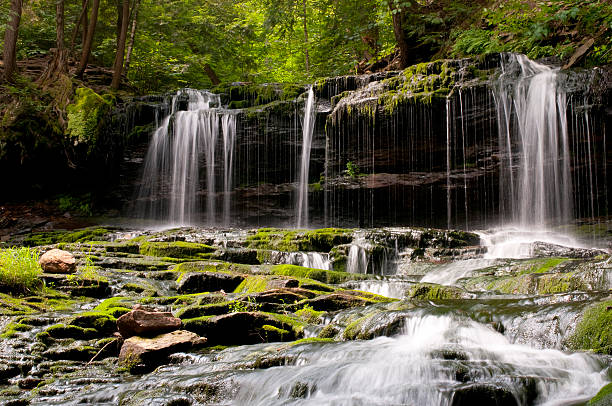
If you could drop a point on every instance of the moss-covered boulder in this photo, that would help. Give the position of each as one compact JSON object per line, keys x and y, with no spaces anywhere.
{"x":603,"y":397}
{"x":243,"y":328}
{"x":432,"y":291}
{"x":195,"y":282}
{"x":594,"y":331}
{"x":85,"y":115}
{"x":320,"y":275}
{"x":322,"y":240}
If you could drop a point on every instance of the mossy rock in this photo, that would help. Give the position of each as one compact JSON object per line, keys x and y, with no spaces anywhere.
{"x":102,"y":322}
{"x":210,"y":266}
{"x":70,"y":331}
{"x":12,"y":329}
{"x":322,"y":240}
{"x":85,"y":115}
{"x":432,"y":291}
{"x":59,"y":236}
{"x":331,"y":277}
{"x":594,"y":331}
{"x":175,"y":249}
{"x":603,"y":397}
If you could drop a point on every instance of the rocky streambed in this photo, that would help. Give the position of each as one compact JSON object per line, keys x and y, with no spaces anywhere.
{"x":331,"y":316}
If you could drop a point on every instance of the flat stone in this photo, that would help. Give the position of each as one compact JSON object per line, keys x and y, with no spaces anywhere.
{"x":58,"y":261}
{"x":196,"y":282}
{"x":141,"y":322}
{"x":141,"y":354}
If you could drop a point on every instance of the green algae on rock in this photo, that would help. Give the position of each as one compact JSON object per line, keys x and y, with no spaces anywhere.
{"x":594,"y":331}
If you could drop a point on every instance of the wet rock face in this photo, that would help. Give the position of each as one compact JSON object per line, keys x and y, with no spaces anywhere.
{"x":483,"y":395}
{"x":58,"y":261}
{"x":140,"y":322}
{"x":140,"y":354}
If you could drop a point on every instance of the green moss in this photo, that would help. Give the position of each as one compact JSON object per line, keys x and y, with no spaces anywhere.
{"x":271,"y":332}
{"x":13,"y":328}
{"x":352,"y":331}
{"x":114,"y":305}
{"x":55,"y":237}
{"x":309,"y":315}
{"x":100,"y":321}
{"x":544,"y":265}
{"x":432,"y":291}
{"x":594,"y":331}
{"x":322,"y":240}
{"x":312,"y":340}
{"x":85,"y":115}
{"x":603,"y":397}
{"x":288,"y":321}
{"x":253,"y":284}
{"x":320,"y":275}
{"x":215,"y":266}
{"x":176,"y":249}
{"x":69,"y":331}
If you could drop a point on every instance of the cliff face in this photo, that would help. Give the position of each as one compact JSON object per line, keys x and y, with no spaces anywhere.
{"x":426,"y":146}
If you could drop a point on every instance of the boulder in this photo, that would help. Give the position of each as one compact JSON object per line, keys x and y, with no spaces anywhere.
{"x":141,"y":322}
{"x":336,"y":301}
{"x":283,"y":283}
{"x":141,"y":354}
{"x":58,"y":261}
{"x":241,"y":328}
{"x":482,"y":394}
{"x":196,"y":282}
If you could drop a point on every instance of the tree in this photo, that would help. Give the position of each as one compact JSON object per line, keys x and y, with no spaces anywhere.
{"x":398,"y":13}
{"x":9,"y":57}
{"x":88,"y":39}
{"x":58,"y":64}
{"x":81,"y":21}
{"x":118,"y":66}
{"x":128,"y":56}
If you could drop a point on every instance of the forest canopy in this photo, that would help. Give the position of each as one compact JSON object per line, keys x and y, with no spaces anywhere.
{"x":178,"y":43}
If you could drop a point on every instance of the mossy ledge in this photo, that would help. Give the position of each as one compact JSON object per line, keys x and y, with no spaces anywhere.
{"x":594,"y":331}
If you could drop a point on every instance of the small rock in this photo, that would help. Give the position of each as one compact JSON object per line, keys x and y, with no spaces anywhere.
{"x":141,"y":322}
{"x":283,"y":283}
{"x":143,"y":354}
{"x":196,"y":282}
{"x":29,"y":383}
{"x":58,"y":261}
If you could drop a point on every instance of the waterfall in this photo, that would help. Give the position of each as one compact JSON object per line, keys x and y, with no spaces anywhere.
{"x":307,"y":132}
{"x":170,"y":188}
{"x":228,"y":124}
{"x":543,"y":193}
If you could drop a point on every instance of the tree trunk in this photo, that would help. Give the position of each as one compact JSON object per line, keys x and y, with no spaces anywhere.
{"x":211,"y":74}
{"x":306,"y":39}
{"x":82,"y":20}
{"x":128,"y":56}
{"x":125,"y":19}
{"x":398,"y":15}
{"x":88,"y":39}
{"x":9,"y":57}
{"x":58,"y":64}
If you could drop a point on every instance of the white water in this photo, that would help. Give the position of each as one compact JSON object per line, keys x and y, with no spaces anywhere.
{"x":357,"y":261}
{"x":533,"y":111}
{"x":404,"y":370}
{"x":170,"y":189}
{"x":310,"y":260}
{"x":450,"y":273}
{"x":517,"y":242}
{"x":307,"y":133}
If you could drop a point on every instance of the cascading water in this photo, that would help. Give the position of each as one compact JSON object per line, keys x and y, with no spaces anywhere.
{"x":307,"y":133}
{"x":543,"y":193}
{"x":170,"y":187}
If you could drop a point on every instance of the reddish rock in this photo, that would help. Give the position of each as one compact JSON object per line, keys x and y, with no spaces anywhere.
{"x":140,"y":354}
{"x":141,"y":322}
{"x":57,"y":261}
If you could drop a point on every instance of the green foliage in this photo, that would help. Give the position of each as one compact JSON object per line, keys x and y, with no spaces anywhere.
{"x":352,"y":170}
{"x":475,"y":42}
{"x":19,"y":270}
{"x":239,"y":306}
{"x":81,"y":205}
